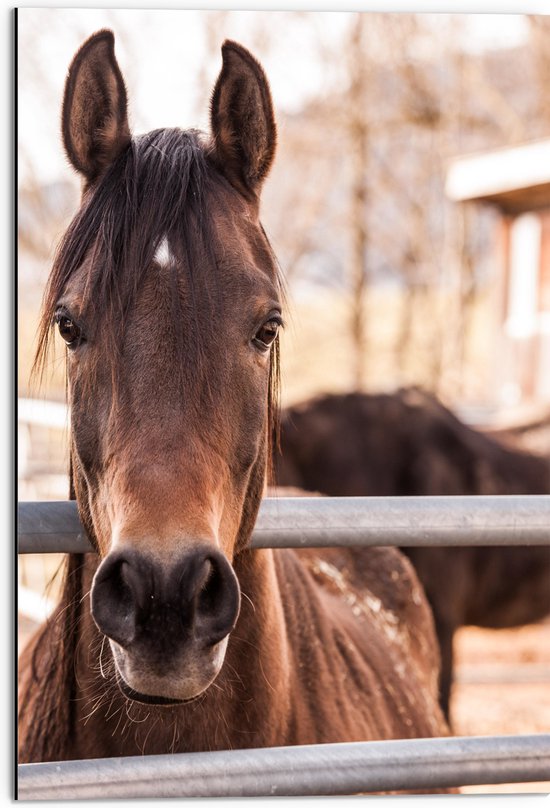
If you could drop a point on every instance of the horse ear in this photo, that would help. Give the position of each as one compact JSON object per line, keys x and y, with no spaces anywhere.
{"x":242,"y":120}
{"x":94,"y":118}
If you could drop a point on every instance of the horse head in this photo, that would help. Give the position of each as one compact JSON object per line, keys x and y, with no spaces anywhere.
{"x":167,"y":295}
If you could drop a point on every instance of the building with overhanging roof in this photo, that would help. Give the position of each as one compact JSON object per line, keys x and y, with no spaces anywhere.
{"x":516,"y":181}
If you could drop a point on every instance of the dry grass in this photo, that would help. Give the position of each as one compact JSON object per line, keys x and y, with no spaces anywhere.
{"x":318,"y":356}
{"x":53,"y":387}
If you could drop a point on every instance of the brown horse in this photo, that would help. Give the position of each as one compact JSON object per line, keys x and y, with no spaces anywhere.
{"x":409,"y":444}
{"x":167,"y":295}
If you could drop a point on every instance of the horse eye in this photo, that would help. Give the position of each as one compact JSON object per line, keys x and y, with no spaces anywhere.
{"x":69,"y":331}
{"x":267,"y":334}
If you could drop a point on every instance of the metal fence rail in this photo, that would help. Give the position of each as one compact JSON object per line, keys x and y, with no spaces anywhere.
{"x":45,"y":527}
{"x":324,"y":769}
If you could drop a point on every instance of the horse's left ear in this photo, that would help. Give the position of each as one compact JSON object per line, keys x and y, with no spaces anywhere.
{"x":242,"y":120}
{"x":94,"y":118}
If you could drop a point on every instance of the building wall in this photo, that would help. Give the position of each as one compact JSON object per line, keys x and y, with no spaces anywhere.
{"x":523,"y":362}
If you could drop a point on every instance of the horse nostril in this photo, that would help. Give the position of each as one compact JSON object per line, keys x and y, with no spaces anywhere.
{"x":218,"y":601}
{"x":210,"y":593}
{"x":111,"y":603}
{"x":119,"y":597}
{"x":138,"y":581}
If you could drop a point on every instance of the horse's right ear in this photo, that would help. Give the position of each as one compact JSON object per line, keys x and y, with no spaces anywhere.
{"x":242,"y":120}
{"x":94,"y":119}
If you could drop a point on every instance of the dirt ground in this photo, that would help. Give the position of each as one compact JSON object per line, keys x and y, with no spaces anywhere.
{"x":502,"y":688}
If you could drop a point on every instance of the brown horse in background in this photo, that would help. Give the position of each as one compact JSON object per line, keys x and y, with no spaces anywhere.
{"x":409,"y":444}
{"x":176,"y":636}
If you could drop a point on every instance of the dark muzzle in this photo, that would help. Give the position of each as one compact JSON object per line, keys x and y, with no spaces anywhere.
{"x":156,"y":609}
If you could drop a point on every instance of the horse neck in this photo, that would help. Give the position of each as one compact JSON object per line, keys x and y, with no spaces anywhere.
{"x":259,"y":646}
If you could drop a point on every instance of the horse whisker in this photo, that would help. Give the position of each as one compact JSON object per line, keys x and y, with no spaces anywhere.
{"x":102,"y":672}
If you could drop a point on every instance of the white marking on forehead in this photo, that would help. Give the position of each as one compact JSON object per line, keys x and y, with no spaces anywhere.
{"x":162,"y":254}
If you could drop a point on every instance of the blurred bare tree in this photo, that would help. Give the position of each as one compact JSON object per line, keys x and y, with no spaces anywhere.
{"x":539,"y":29}
{"x":358,"y":126}
{"x":381,"y":146}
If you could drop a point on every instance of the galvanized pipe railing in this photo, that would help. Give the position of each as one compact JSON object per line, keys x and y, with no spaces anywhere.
{"x":45,"y":527}
{"x":325,"y":769}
